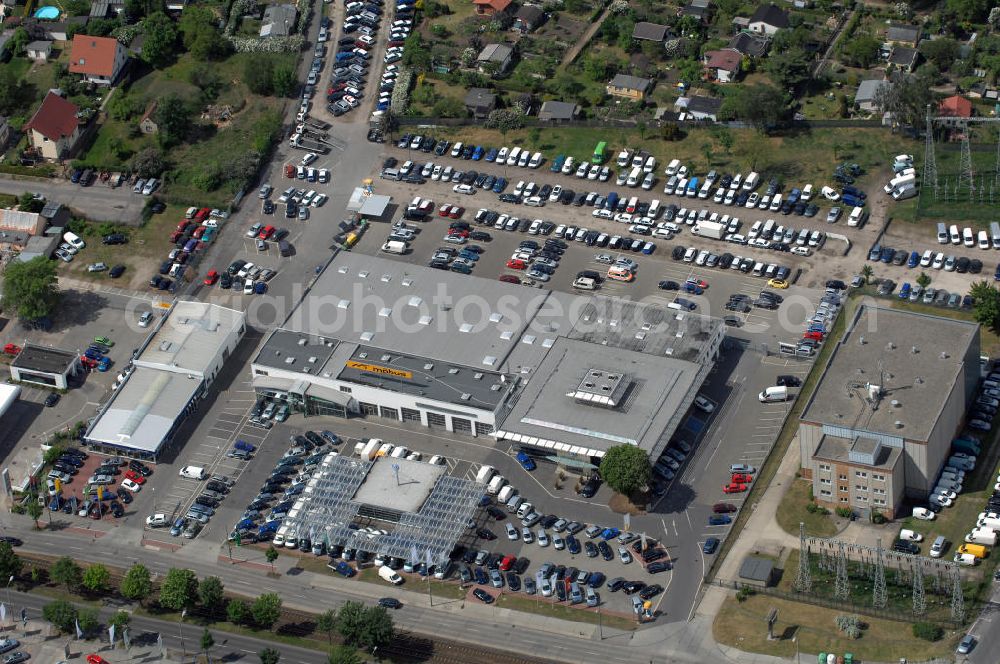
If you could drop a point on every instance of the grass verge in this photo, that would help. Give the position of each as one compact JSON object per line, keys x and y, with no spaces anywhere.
{"x":413,"y":583}
{"x":744,"y":626}
{"x":544,"y":607}
{"x":792,"y":510}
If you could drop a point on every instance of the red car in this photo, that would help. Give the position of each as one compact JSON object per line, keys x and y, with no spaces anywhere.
{"x":211,"y":277}
{"x":734,"y":487}
{"x":96,"y":659}
{"x":176,"y":235}
{"x":444,"y":210}
{"x":290,"y":171}
{"x":266,"y":232}
{"x":87,"y":362}
{"x":11,"y":349}
{"x":507,"y":562}
{"x":818,"y":336}
{"x":198,"y":232}
{"x":135,"y":477}
{"x":741,"y":478}
{"x":510,"y":278}
{"x":183,"y":224}
{"x":461,"y":232}
{"x":517,"y":264}
{"x":456,"y":212}
{"x":202,"y":214}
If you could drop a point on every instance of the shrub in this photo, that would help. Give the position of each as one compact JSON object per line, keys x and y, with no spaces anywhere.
{"x":812,"y":508}
{"x":844,"y":512}
{"x":850,"y":625}
{"x":744,"y":592}
{"x":927,"y":631}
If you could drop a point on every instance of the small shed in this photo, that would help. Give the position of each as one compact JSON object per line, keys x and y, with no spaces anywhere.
{"x":758,"y":571}
{"x":147,"y":124}
{"x":39,"y":51}
{"x":558,"y":111}
{"x":480,"y":101}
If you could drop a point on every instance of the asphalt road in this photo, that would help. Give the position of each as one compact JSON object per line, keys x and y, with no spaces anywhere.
{"x":98,"y":201}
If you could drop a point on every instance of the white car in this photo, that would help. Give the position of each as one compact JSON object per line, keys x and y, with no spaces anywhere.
{"x":543,"y":538}
{"x":466,"y":189}
{"x":607,"y":259}
{"x":309,"y":158}
{"x":829,"y":194}
{"x":704,"y":404}
{"x":527,"y":536}
{"x":157,"y":520}
{"x":512,"y":533}
{"x":74,"y":240}
{"x":129,"y":485}
{"x":752,"y":200}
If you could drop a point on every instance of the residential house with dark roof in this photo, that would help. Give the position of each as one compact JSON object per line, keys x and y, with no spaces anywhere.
{"x":99,"y":60}
{"x":527,"y":18}
{"x":279,"y":21}
{"x":904,"y":58}
{"x":768,"y":19}
{"x":60,"y":30}
{"x":645,"y":31}
{"x":699,"y":9}
{"x":480,"y":101}
{"x":54,"y":129}
{"x":630,"y":87}
{"x":500,"y":55}
{"x":491,"y":7}
{"x":750,"y":44}
{"x":697,"y":107}
{"x":868,"y":91}
{"x":723,"y":65}
{"x":903,"y":35}
{"x":39,"y":51}
{"x":558,"y":111}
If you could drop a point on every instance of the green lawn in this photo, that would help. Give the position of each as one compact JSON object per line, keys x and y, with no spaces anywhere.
{"x":792,"y":511}
{"x":563,"y":611}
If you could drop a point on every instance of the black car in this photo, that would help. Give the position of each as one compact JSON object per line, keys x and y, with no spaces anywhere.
{"x":520,"y":565}
{"x":513,"y":581}
{"x":71,"y":460}
{"x":632,"y":587}
{"x":115,"y":238}
{"x":666,"y":284}
{"x":590,"y":487}
{"x":496,"y":512}
{"x":906,"y":547}
{"x":658,"y":566}
{"x":124,"y":495}
{"x":616,"y":584}
{"x":390,"y":603}
{"x":207,"y":501}
{"x":116,"y":271}
{"x":789,"y":381}
{"x":117,"y":510}
{"x":483,"y":596}
{"x":548,"y":521}
{"x":13,"y":541}
{"x":483,"y":533}
{"x":140,"y":468}
{"x":605,"y":550}
{"x":650,"y":591}
{"x":52,"y":399}
{"x":591,"y":549}
{"x":677,"y":252}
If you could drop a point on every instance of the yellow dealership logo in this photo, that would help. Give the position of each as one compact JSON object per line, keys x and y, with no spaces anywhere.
{"x":374,"y":368}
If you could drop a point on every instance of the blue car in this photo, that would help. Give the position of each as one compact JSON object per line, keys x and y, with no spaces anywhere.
{"x":481,"y":577}
{"x":526,"y":461}
{"x":344,"y":569}
{"x":610,"y":533}
{"x":477,"y":154}
{"x":245,"y":524}
{"x":178,"y":527}
{"x":573,"y":544}
{"x":557,"y":163}
{"x":710,"y":545}
{"x":499,"y":185}
{"x":491,"y":156}
{"x":719,"y":519}
{"x":382,"y":106}
{"x":104,"y":364}
{"x":595,"y":580}
{"x":468,"y":255}
{"x":648,"y":248}
{"x":914,"y":259}
{"x":92,"y":354}
{"x":904,"y":291}
{"x":245,"y":446}
{"x":887,"y":254}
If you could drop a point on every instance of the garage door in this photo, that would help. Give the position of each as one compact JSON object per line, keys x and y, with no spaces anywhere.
{"x":461,"y":425}
{"x":389,"y":413}
{"x":368,"y":408}
{"x":410,"y":415}
{"x":435,"y":420}
{"x":483,"y":429}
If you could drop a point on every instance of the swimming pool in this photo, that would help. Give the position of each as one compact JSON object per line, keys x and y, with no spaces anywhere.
{"x":48,"y":12}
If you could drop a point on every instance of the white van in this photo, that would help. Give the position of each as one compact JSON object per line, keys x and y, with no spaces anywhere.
{"x":910,"y":535}
{"x":773,"y":394}
{"x":654,"y":209}
{"x":633,"y":177}
{"x":192,"y":472}
{"x":484,"y":474}
{"x":899,"y":181}
{"x":995,"y":234}
{"x":857,"y":217}
{"x":942,"y":232}
{"x":395,"y":247}
{"x":650,"y":165}
{"x":536,"y":160}
{"x":497,"y":483}
{"x":514,"y":503}
{"x":386,"y":574}
{"x":456,"y":149}
{"x":984,"y":240}
{"x":967,"y":237}
{"x":966,"y":559}
{"x":623,"y":158}
{"x":758,"y":269}
{"x":751,"y":181}
{"x":672,"y":167}
{"x":956,"y":237}
{"x":671,"y":186}
{"x":505,"y":494}
{"x":515,"y":154}
{"x":524,"y":159}
{"x":524,"y":509}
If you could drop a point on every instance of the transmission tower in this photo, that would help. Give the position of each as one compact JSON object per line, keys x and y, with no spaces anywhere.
{"x":965,"y":174}
{"x":957,"y":596}
{"x":930,"y":163}
{"x":879,"y":597}
{"x":803,"y":580}
{"x":841,"y":590}
{"x":919,"y":600}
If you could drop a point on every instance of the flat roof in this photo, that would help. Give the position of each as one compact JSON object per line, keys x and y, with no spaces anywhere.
{"x":190,"y":336}
{"x":837,"y":449}
{"x":416,"y":481}
{"x":294,"y":350}
{"x":756,"y":568}
{"x":44,"y":359}
{"x":921,"y":358}
{"x":549,"y":413}
{"x":144,"y":409}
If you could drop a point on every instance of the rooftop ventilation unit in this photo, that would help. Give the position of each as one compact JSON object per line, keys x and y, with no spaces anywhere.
{"x":898,"y":424}
{"x":861,"y":340}
{"x":944,"y":355}
{"x":289,"y":360}
{"x":301,"y":341}
{"x":428,"y":366}
{"x":386,"y":278}
{"x":890,"y":346}
{"x":386,"y":358}
{"x":452,"y":371}
{"x":914,"y":350}
{"x":895,"y":403}
{"x":312,"y":359}
{"x":367,"y":336}
{"x":165,"y":346}
{"x":466,"y":396}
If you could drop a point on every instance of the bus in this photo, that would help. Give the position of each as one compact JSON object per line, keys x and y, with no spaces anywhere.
{"x":599,"y":155}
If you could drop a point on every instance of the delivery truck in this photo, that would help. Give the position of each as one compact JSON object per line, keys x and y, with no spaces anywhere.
{"x":712,"y":229}
{"x":977,"y":550}
{"x":984,"y":536}
{"x":773,"y":394}
{"x":386,"y":574}
{"x":485,"y":474}
{"x":395,"y":247}
{"x":993,"y":523}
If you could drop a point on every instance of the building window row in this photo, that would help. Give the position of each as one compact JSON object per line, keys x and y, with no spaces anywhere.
{"x":843,"y":499}
{"x":878,"y":491}
{"x":879,"y":501}
{"x":842,"y":487}
{"x":824,"y":466}
{"x":860,"y":473}
{"x":878,"y":476}
{"x":842,"y":476}
{"x":824,"y":492}
{"x":860,"y":487}
{"x":825,"y":480}
{"x":861,"y":499}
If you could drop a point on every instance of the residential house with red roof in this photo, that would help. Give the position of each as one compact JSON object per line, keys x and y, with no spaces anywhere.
{"x":491,"y":7}
{"x":99,"y":59}
{"x":956,"y":107}
{"x":723,"y":65}
{"x":54,"y":129}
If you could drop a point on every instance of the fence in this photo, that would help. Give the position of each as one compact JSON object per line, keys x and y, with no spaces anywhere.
{"x":411,"y":120}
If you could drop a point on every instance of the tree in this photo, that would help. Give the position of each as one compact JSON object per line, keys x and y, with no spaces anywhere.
{"x":120,"y":619}
{"x":96,"y":578}
{"x":862,"y":51}
{"x":994,"y":18}
{"x":365,"y":627}
{"x":271,"y":555}
{"x":67,"y":572}
{"x":625,"y":468}
{"x":10,"y":563}
{"x":207,"y":641}
{"x":987,"y":305}
{"x":505,"y":120}
{"x":923,"y":280}
{"x":61,"y":614}
{"x":211,"y":594}
{"x":34,"y":510}
{"x":237,"y":612}
{"x":326,"y":622}
{"x":173,"y":117}
{"x":15,"y":93}
{"x":866,"y":272}
{"x":269,"y":656}
{"x":88,"y":620}
{"x":136,"y":584}
{"x":927,"y":631}
{"x":266,"y":610}
{"x":943,"y":52}
{"x":179,"y":589}
{"x":344,"y":655}
{"x":284,"y":81}
{"x":149,"y":163}
{"x":761,"y":106}
{"x":199,"y":34}
{"x":19,"y":41}
{"x":449,"y":107}
{"x":258,"y":74}
{"x":789,"y":69}
{"x":159,"y":39}
{"x":907,"y":97}
{"x":30,"y":288}
{"x":973,"y":11}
